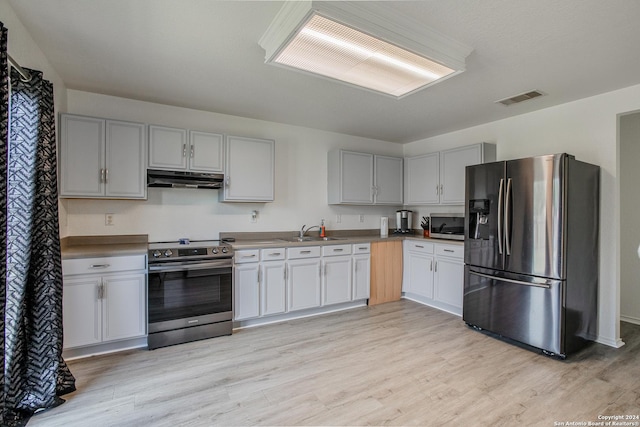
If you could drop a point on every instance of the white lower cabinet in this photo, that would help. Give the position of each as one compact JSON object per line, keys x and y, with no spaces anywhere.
{"x":336,"y":278}
{"x":303,"y":278}
{"x":433,"y":273}
{"x":361,"y":271}
{"x":104,"y":299}
{"x":273,"y":288}
{"x":247,"y":291}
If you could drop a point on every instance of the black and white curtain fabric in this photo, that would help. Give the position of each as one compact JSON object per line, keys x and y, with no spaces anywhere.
{"x":35,"y":375}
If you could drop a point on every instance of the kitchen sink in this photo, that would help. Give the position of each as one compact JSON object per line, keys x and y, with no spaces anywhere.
{"x":314,"y":239}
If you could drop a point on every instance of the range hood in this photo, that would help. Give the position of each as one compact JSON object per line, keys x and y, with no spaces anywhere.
{"x":175,"y":179}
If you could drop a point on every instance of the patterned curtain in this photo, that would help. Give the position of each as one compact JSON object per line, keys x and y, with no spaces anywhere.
{"x":35,"y":373}
{"x":4,"y":123}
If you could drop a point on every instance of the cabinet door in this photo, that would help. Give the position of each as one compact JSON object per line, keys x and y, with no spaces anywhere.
{"x":449,"y":282}
{"x":452,"y":171}
{"x":81,"y":311}
{"x":303,"y":283}
{"x":336,"y":281}
{"x":167,"y":148}
{"x":273,"y":287}
{"x":418,"y":274}
{"x":82,"y":152}
{"x":125,"y":174}
{"x":356,"y":175}
{"x":386,"y":272}
{"x":361,"y":277}
{"x":249,"y":170}
{"x":422,"y":185}
{"x":206,"y":152}
{"x":388,"y":180}
{"x":124,"y":304}
{"x":247,"y":291}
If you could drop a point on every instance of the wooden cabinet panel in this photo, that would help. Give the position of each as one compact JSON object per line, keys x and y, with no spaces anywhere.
{"x":386,"y":272}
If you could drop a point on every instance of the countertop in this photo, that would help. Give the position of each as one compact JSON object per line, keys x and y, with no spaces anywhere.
{"x":103,"y":246}
{"x":272,"y":240}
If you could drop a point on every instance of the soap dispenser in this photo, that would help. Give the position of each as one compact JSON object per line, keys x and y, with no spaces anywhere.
{"x":322,"y":228}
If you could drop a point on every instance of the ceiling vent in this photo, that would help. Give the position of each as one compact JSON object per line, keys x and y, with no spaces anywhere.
{"x":519,"y":98}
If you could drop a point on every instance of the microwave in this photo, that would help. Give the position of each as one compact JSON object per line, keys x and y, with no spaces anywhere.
{"x":447,"y":226}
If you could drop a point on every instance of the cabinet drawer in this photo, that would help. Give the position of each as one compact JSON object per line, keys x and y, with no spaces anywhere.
{"x":454,"y":251}
{"x":272,"y":254}
{"x":303,"y":252}
{"x":103,"y":264}
{"x":333,"y":250}
{"x":361,"y":248}
{"x":417,"y":246}
{"x":249,"y":255}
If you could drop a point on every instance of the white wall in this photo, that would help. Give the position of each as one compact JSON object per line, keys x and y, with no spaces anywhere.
{"x":629,"y":217}
{"x":587,"y":129}
{"x":168,"y":214}
{"x":24,"y":50}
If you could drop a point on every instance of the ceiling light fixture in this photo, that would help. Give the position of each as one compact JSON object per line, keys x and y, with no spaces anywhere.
{"x":366,"y":44}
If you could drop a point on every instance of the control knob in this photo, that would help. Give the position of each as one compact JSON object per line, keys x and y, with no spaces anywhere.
{"x":225,"y":250}
{"x":214,"y":251}
{"x":156,"y":254}
{"x":168,"y":253}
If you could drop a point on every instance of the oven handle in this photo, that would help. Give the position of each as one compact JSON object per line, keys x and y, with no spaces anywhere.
{"x":185,"y":266}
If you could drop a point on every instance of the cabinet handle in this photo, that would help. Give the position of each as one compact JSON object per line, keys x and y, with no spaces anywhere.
{"x":431,"y":266}
{"x":227,"y":181}
{"x":363,"y":249}
{"x":448,"y":250}
{"x":258,"y":277}
{"x":441,"y":190}
{"x":101,"y":175}
{"x":192,"y":151}
{"x":420,"y":246}
{"x":285,"y":274}
{"x":338,"y":250}
{"x":275,"y":254}
{"x":101,"y":291}
{"x":106,"y":176}
{"x":435,"y":267}
{"x":184,"y":150}
{"x":249,"y":256}
{"x":305,"y":252}
{"x":100,"y":265}
{"x":437,"y":193}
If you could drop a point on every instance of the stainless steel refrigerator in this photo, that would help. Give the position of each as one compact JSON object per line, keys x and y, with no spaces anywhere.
{"x":531,"y":251}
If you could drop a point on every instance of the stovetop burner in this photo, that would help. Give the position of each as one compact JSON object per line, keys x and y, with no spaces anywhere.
{"x":185,"y":249}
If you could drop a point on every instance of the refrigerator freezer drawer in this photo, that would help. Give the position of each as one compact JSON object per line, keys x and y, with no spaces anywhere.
{"x":529,"y":311}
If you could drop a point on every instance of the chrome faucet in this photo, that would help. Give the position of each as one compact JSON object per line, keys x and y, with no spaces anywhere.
{"x":303,"y":231}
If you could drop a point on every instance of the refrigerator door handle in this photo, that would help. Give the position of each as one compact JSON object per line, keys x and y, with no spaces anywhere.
{"x":500,"y":209}
{"x":507,"y":218}
{"x":517,"y":282}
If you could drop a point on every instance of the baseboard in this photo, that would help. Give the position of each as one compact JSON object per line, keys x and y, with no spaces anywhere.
{"x":630,"y":319}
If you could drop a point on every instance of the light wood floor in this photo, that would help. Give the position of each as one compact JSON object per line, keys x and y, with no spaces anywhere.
{"x":399,"y":363}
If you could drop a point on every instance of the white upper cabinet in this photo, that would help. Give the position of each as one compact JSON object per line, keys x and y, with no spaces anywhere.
{"x":422,"y":184}
{"x":388,"y":180}
{"x":206,"y":152}
{"x":438,"y":178}
{"x":102,"y":158}
{"x":363,"y":179}
{"x":167,"y":148}
{"x":249,"y":170}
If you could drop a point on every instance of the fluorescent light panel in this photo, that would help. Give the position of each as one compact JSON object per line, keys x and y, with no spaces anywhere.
{"x":326,"y":47}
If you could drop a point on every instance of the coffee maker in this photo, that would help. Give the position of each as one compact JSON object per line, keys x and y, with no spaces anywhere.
{"x":404,"y":221}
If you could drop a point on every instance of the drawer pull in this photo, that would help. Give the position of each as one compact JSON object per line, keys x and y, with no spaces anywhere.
{"x":363,"y":249}
{"x":305,"y":252}
{"x":338,"y":250}
{"x":275,"y":254}
{"x":249,"y":256}
{"x":420,"y":246}
{"x":100,"y":265}
{"x":448,"y":250}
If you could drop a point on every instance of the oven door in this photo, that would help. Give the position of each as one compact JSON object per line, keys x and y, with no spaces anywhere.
{"x":189,"y":294}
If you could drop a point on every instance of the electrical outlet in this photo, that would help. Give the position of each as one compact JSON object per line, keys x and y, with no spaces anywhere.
{"x":361,"y":218}
{"x":338,"y":219}
{"x":108,"y":219}
{"x":254,"y":216}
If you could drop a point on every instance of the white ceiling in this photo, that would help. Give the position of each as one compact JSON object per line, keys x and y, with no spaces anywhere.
{"x":204,"y":54}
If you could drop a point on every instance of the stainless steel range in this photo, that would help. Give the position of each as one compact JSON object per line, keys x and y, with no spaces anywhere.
{"x":190,"y":291}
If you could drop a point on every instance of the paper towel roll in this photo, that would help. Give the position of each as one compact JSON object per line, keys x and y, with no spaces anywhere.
{"x":384,"y":226}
